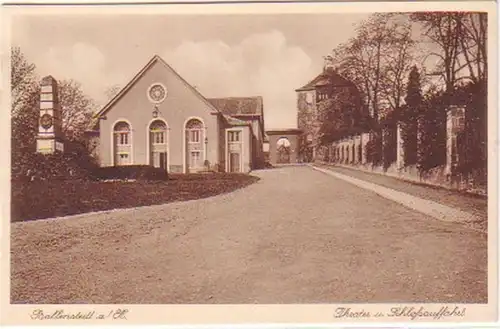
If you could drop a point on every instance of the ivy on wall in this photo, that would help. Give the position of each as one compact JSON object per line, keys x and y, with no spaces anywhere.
{"x":431,"y":137}
{"x":408,"y":117}
{"x":472,"y":142}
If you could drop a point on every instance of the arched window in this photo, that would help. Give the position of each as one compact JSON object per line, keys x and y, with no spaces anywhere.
{"x":158,"y":132}
{"x":158,"y":147}
{"x":122,"y":133}
{"x":122,"y":144}
{"x":194,"y":129}
{"x":195,"y":153}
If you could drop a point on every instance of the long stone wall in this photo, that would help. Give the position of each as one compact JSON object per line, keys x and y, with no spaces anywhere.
{"x":351,"y":152}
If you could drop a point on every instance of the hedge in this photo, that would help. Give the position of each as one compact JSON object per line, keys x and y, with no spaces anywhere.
{"x":137,"y":172}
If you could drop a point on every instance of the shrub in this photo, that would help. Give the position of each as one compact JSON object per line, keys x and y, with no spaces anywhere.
{"x":389,"y":146}
{"x":74,"y":164}
{"x":137,"y":172}
{"x":431,"y":139}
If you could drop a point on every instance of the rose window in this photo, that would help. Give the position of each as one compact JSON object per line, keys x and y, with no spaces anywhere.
{"x":157,"y":93}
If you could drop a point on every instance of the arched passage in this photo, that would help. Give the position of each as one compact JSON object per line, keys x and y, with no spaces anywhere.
{"x":283,"y":150}
{"x":284,"y":146}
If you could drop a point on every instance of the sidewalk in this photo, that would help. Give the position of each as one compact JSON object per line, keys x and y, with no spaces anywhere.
{"x":474,"y":205}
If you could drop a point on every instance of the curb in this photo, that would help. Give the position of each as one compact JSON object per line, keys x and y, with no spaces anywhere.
{"x":430,"y":208}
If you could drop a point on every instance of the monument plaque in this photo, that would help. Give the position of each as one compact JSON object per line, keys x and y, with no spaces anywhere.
{"x":49,"y":138}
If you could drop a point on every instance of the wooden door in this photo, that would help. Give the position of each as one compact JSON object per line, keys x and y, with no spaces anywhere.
{"x":234,"y":162}
{"x":163,"y":160}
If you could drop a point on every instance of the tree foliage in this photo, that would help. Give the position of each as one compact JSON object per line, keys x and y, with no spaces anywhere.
{"x":341,"y":115}
{"x":431,"y":136}
{"x":461,"y":40}
{"x":378,"y":58}
{"x":25,"y":111}
{"x":384,"y":53}
{"x":25,"y":94}
{"x":472,"y":142}
{"x":76,"y":109}
{"x":409,"y":117}
{"x":23,"y":82}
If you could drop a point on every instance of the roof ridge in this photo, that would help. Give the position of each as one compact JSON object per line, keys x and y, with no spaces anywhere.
{"x":140,"y":73}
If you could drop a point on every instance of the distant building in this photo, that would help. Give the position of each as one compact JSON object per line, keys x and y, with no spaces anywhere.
{"x":327,"y":85}
{"x":159,"y":119}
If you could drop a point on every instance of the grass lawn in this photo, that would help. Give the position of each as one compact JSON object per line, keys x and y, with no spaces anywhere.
{"x":47,"y":199}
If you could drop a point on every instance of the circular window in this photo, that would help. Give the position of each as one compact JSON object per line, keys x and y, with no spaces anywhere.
{"x":157,"y":93}
{"x":46,"y":121}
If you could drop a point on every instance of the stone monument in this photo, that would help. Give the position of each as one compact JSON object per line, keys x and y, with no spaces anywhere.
{"x":49,"y":139}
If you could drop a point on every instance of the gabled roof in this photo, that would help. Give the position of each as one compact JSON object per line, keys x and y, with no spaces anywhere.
{"x":324,"y":79}
{"x":132,"y":82}
{"x":236,"y":106}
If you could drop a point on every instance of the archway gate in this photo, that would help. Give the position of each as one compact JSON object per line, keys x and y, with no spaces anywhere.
{"x":283,"y":145}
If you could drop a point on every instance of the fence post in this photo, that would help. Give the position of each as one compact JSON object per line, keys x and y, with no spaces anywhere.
{"x":455,"y":123}
{"x":400,"y":155}
{"x":365,"y":138}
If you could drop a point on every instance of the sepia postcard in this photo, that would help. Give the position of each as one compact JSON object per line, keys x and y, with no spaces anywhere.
{"x":250,"y":163}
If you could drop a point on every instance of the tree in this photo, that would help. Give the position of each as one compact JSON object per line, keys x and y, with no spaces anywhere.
{"x":341,"y":115}
{"x":410,"y":116}
{"x":431,"y":135}
{"x":76,"y":109}
{"x":461,"y":42}
{"x":378,"y":58}
{"x":24,"y":87}
{"x":25,"y":93}
{"x":397,"y":62}
{"x":472,"y":29}
{"x":455,"y":35}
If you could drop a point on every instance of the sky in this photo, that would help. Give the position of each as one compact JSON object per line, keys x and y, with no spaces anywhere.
{"x":221,"y":55}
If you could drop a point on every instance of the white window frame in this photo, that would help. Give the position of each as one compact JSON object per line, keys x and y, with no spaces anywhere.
{"x":190,"y":134}
{"x":157,"y":133}
{"x":185,"y":141}
{"x":198,"y":164}
{"x":124,"y":155}
{"x":242,"y":151}
{"x":120,"y":136}
{"x":114,"y":141}
{"x":166,"y":140}
{"x":232,"y":134}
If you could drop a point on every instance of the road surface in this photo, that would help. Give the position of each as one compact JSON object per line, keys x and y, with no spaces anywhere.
{"x":296,"y":236}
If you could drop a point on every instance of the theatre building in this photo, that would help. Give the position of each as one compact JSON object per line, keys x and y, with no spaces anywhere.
{"x":159,"y":119}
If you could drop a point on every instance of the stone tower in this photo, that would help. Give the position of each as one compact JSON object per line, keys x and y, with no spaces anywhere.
{"x":327,"y":85}
{"x":49,"y":139}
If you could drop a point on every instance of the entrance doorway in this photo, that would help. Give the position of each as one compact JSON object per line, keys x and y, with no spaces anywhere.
{"x":234,"y":162}
{"x":163,"y":160}
{"x":158,"y":144}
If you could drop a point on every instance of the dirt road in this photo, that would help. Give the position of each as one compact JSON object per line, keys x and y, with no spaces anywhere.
{"x":296,"y":236}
